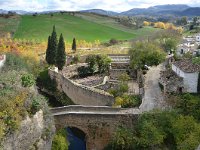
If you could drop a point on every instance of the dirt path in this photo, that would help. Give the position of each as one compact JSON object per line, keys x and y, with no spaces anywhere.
{"x":153,"y":97}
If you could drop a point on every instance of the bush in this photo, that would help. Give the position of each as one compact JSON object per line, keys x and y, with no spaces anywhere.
{"x":131,"y":101}
{"x":15,"y":62}
{"x":60,"y":140}
{"x":27,"y":80}
{"x":92,"y":63}
{"x":45,"y":81}
{"x":113,"y":41}
{"x":83,"y":71}
{"x":35,"y":106}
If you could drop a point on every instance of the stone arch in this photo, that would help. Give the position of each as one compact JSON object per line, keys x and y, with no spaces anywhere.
{"x":79,"y":127}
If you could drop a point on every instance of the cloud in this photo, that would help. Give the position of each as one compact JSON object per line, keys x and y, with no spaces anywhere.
{"x":114,"y":5}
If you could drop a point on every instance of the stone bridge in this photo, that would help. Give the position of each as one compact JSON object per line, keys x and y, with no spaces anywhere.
{"x":97,"y":122}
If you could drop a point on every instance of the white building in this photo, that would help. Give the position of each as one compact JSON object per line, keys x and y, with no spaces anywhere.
{"x":2,"y":60}
{"x":198,"y":38}
{"x":189,"y":72}
{"x":184,"y":48}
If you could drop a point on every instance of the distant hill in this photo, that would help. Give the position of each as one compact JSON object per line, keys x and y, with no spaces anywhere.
{"x":156,"y":10}
{"x":101,"y":12}
{"x":164,"y":10}
{"x":193,"y":11}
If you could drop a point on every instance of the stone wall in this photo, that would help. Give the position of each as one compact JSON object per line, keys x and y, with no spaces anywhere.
{"x":80,"y":94}
{"x":35,"y":133}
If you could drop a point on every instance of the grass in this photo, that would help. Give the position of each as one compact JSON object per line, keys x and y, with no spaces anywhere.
{"x":83,"y":28}
{"x":111,"y":22}
{"x":40,"y":27}
{"x":9,"y":25}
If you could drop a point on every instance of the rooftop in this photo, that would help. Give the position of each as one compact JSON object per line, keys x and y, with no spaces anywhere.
{"x":187,"y":66}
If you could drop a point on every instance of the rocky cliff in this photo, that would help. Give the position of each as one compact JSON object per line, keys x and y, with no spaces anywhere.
{"x":35,"y":132}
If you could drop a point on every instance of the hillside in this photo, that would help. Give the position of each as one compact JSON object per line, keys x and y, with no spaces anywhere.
{"x":178,"y":10}
{"x":82,"y":27}
{"x":40,"y":27}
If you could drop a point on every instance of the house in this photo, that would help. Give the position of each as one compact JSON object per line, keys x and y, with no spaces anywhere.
{"x":184,"y":77}
{"x":198,"y":38}
{"x":184,"y":48}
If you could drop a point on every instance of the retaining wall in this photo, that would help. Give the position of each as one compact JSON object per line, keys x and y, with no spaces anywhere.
{"x":80,"y":94}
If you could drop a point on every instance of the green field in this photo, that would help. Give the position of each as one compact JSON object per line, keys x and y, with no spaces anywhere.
{"x":8,"y":25}
{"x":89,"y":29}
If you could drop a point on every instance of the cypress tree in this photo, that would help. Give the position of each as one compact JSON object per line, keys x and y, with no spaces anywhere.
{"x":74,"y":45}
{"x":53,"y":48}
{"x":48,"y":51}
{"x":61,"y":55}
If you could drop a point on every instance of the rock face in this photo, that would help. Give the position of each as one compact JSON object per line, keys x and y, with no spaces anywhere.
{"x":34,"y":133}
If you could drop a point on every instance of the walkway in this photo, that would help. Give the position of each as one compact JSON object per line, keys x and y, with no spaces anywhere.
{"x":153,"y":96}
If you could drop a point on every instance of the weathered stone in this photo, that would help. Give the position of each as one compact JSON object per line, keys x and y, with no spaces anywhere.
{"x":30,"y":134}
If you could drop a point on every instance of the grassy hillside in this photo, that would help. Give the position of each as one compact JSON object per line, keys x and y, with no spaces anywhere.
{"x":8,"y":25}
{"x":83,"y":27}
{"x":111,"y":22}
{"x":40,"y":27}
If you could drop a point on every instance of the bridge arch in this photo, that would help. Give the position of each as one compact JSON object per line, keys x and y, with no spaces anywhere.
{"x":98,"y":123}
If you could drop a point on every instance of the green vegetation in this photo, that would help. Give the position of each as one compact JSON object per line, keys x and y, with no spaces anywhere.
{"x":60,"y":141}
{"x":27,"y":80}
{"x":61,"y":54}
{"x":73,"y":26}
{"x":159,"y":130}
{"x":52,"y":48}
{"x":145,"y":53}
{"x":44,"y":82}
{"x":9,"y":24}
{"x":111,"y":22}
{"x":17,"y":99}
{"x":70,"y":26}
{"x":128,"y":101}
{"x":177,"y":129}
{"x":96,"y":63}
{"x":55,"y":53}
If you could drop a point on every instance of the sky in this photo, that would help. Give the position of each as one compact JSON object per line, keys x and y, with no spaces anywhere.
{"x":74,"y":5}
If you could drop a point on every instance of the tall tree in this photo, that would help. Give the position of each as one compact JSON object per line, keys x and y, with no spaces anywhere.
{"x":74,"y":45}
{"x":52,"y":48}
{"x":48,"y":51}
{"x":61,"y":55}
{"x":54,"y":44}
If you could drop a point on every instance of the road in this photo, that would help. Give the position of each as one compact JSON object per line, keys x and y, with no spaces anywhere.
{"x":153,"y":97}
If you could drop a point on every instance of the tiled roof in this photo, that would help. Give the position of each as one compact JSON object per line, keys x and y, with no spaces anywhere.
{"x":187,"y":66}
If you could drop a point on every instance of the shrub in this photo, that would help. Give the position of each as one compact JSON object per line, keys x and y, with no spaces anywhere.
{"x":113,"y":41}
{"x":15,"y":62}
{"x":35,"y":106}
{"x":130,"y":101}
{"x":92,"y":63}
{"x":60,"y":141}
{"x":83,"y":71}
{"x":27,"y":80}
